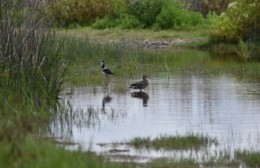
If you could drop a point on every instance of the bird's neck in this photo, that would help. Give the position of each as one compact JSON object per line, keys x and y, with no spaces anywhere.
{"x":145,"y":80}
{"x":103,"y":66}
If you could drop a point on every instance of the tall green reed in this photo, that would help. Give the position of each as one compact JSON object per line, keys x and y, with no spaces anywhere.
{"x":127,"y":58}
{"x":32,"y":64}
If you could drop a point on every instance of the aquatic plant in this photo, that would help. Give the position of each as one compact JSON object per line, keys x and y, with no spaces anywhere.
{"x":244,"y":50}
{"x":172,"y":142}
{"x":252,"y":159}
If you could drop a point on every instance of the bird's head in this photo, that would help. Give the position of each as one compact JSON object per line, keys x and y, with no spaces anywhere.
{"x":145,"y":76}
{"x":101,"y":62}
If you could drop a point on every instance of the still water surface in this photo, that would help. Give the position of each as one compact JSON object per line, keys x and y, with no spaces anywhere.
{"x":218,"y":106}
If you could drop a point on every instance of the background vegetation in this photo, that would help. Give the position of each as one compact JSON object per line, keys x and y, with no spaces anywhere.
{"x":227,"y":21}
{"x":240,"y":21}
{"x":126,"y":14}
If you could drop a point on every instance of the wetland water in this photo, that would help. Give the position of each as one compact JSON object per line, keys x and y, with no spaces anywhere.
{"x":218,"y":106}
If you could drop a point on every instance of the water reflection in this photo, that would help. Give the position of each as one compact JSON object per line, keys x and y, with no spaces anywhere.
{"x":141,"y":95}
{"x":106,"y":99}
{"x":221,"y":107}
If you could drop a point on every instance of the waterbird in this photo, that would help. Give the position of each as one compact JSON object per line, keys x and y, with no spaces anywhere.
{"x":105,"y":70}
{"x":141,"y":84}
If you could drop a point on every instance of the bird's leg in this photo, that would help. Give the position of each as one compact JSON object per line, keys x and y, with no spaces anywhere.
{"x":108,"y":78}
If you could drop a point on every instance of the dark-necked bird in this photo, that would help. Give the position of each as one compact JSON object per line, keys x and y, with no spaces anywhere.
{"x":140,"y":85}
{"x":105,"y":70}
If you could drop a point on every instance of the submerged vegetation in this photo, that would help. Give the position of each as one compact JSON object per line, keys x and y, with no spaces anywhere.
{"x":252,"y":159}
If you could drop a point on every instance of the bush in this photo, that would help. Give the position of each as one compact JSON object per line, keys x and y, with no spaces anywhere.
{"x":106,"y":22}
{"x":128,"y":21}
{"x":240,"y":21}
{"x":146,"y":11}
{"x":124,"y":21}
{"x":173,"y":15}
{"x":80,"y":11}
{"x":216,"y":6}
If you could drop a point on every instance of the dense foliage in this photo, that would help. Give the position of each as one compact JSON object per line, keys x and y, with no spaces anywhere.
{"x":66,"y":12}
{"x":208,"y":6}
{"x":240,"y":21}
{"x":230,"y":20}
{"x":174,"y":15}
{"x":168,"y":14}
{"x":126,"y":14}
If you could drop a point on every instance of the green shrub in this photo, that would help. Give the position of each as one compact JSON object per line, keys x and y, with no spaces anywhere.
{"x":124,"y":21}
{"x":240,"y":21}
{"x":80,"y":11}
{"x":128,"y":21}
{"x":146,"y":11}
{"x":216,"y":6}
{"x":106,"y":22}
{"x":173,"y":15}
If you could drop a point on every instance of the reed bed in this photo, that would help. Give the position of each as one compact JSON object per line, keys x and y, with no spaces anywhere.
{"x":188,"y":142}
{"x":130,"y":59}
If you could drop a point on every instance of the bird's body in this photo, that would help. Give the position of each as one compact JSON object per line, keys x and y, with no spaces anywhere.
{"x":141,"y":84}
{"x":105,"y":70}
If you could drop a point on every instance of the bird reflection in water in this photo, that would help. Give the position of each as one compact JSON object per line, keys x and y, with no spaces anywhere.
{"x":141,"y":95}
{"x":107,"y":98}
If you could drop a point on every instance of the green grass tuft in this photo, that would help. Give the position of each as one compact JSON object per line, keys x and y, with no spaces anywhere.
{"x":172,"y":142}
{"x":30,"y":153}
{"x":252,"y":159}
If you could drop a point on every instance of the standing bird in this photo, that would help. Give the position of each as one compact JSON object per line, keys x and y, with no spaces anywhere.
{"x":142,"y":84}
{"x":105,"y":70}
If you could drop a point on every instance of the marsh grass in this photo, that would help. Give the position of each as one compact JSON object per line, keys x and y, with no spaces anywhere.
{"x":38,"y":153}
{"x":170,"y":163}
{"x":32,"y":64}
{"x":107,"y":35}
{"x":244,"y":50}
{"x":188,"y":142}
{"x":131,"y":60}
{"x":252,"y":159}
{"x":128,"y":60}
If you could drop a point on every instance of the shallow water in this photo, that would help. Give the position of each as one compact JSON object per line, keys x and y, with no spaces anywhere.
{"x":221,"y":107}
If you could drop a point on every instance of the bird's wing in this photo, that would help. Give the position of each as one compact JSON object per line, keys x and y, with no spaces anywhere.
{"x":137,"y":85}
{"x":107,"y":71}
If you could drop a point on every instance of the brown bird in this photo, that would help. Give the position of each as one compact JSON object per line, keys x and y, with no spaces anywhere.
{"x":141,"y":84}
